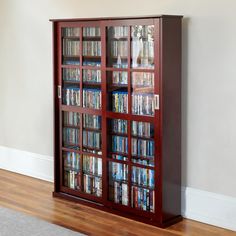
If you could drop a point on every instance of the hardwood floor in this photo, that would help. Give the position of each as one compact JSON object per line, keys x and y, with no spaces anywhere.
{"x":34,"y":197}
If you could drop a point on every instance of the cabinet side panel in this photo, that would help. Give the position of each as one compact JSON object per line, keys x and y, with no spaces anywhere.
{"x":56,"y":109}
{"x":171,"y":116}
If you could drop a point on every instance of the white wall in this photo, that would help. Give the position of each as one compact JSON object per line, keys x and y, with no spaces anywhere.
{"x":209,"y":85}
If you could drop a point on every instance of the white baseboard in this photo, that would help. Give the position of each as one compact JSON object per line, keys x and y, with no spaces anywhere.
{"x":27,"y":163}
{"x":210,"y":208}
{"x":203,"y":206}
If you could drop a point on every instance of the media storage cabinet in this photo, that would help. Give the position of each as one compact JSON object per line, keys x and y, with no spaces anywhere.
{"x":117,"y":115}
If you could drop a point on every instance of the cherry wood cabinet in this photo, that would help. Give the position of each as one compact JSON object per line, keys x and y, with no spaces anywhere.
{"x":117,"y":115}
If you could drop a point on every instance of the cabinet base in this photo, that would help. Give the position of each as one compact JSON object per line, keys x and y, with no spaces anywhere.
{"x":150,"y":221}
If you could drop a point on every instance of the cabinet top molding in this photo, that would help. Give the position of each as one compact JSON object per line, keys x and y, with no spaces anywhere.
{"x":116,"y":18}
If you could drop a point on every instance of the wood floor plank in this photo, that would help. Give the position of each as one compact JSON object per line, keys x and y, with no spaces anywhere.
{"x":34,"y":197}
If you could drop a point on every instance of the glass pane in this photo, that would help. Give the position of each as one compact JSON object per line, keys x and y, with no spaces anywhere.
{"x":71,"y":119}
{"x":71,"y":128}
{"x":118,"y":136}
{"x":71,"y":75}
{"x":119,"y":157}
{"x":143,"y":93}
{"x":71,"y":138}
{"x":117,"y":139}
{"x":118,"y":183}
{"x":72,"y":170}
{"x":71,"y":32}
{"x":143,"y":144}
{"x":142,"y":147}
{"x":71,"y":46}
{"x":92,"y":121}
{"x":143,"y":199}
{"x":91,"y":76}
{"x":119,"y":144}
{"x":142,"y":129}
{"x":142,"y":191}
{"x":142,"y":49}
{"x":119,"y":101}
{"x":117,"y":91}
{"x":119,"y":78}
{"x":142,"y":151}
{"x":92,"y":175}
{"x":119,"y":126}
{"x":92,"y":139}
{"x":91,"y":32}
{"x":117,"y":46}
{"x":71,"y":95}
{"x":92,"y":98}
{"x":91,"y":46}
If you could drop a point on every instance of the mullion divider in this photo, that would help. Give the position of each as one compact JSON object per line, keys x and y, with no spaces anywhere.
{"x":105,"y":183}
{"x":81,"y":105}
{"x":129,"y":119}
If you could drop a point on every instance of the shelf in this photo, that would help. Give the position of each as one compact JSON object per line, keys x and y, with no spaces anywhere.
{"x":140,"y":58}
{"x":134,"y":86}
{"x":92,"y":57}
{"x":71,"y":37}
{"x":147,"y":117}
{"x":142,"y":37}
{"x":87,"y":150}
{"x":141,"y":186}
{"x":117,"y":115}
{"x":71,"y":146}
{"x":91,"y":67}
{"x":92,"y":109}
{"x":92,"y":84}
{"x":142,"y":157}
{"x":71,"y":126}
{"x":118,"y":153}
{"x":118,"y":38}
{"x":91,"y":174}
{"x":91,"y":154}
{"x":117,"y":180}
{"x":118,"y":134}
{"x":71,"y":82}
{"x":142,"y":165}
{"x":150,"y":119}
{"x":152,"y":70}
{"x":92,"y":148}
{"x":117,"y":161}
{"x":112,"y":89}
{"x":66,"y":149}
{"x":141,"y":137}
{"x":84,"y":128}
{"x":143,"y":68}
{"x":94,"y":67}
{"x":114,"y":86}
{"x":127,"y":116}
{"x":92,"y":129}
{"x":70,"y":66}
{"x":116,"y":57}
{"x":116,"y":69}
{"x":71,"y":56}
{"x":72,"y":169}
{"x":81,"y":110}
{"x":88,"y":38}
